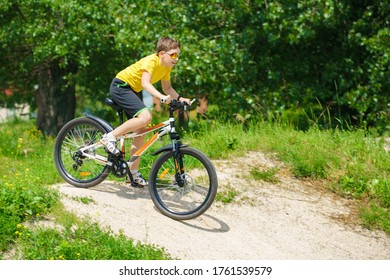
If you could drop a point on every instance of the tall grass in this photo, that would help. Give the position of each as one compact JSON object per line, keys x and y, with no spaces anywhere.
{"x":26,"y":173}
{"x":26,"y":167}
{"x":80,"y":240}
{"x":353,"y":163}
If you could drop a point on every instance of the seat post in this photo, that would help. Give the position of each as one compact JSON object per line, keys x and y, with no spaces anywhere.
{"x":116,"y":107}
{"x":120,"y":114}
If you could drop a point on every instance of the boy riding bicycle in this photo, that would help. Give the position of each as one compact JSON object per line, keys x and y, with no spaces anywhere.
{"x":126,"y":90}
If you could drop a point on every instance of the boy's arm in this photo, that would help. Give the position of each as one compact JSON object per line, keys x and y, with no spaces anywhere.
{"x":169,"y":90}
{"x":146,"y":85}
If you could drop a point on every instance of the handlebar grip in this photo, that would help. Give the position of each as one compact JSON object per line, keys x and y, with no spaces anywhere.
{"x":178,"y":102}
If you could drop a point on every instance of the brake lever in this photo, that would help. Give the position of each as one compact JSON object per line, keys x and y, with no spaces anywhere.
{"x":162,"y":100}
{"x":188,"y":105}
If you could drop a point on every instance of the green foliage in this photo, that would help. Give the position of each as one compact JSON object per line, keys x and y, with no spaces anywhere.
{"x":260,"y":56}
{"x":266,"y":175}
{"x":217,"y":140}
{"x":83,"y":199}
{"x":21,"y":143}
{"x":74,"y":35}
{"x":360,"y":154}
{"x":375,"y":217}
{"x":226,"y":196}
{"x":26,"y":172}
{"x":354,"y":163}
{"x":23,"y":191}
{"x":82,"y":240}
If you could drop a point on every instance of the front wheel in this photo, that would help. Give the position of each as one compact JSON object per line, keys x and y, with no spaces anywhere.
{"x":188,"y":195}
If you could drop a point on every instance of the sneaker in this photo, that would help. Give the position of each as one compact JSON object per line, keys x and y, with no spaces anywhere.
{"x":138,"y":181}
{"x":110,"y":145}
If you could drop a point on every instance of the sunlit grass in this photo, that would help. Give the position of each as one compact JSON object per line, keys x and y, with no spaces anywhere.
{"x":26,"y":173}
{"x":79,"y":239}
{"x":268,"y":175}
{"x":353,"y":163}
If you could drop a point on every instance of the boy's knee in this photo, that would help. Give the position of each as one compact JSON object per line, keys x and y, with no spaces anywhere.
{"x":146,"y":117}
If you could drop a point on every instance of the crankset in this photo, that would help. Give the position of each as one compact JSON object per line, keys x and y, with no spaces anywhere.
{"x":119,"y":167}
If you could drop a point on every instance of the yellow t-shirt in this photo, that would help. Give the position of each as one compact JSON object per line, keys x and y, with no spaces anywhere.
{"x":151,"y":63}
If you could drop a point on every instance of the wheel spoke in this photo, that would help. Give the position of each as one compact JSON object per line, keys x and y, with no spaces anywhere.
{"x":72,"y":166}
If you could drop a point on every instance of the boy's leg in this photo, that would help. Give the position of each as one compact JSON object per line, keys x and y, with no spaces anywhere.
{"x":138,"y":181}
{"x":134,"y":124}
{"x":135,"y":146}
{"x":137,"y":177}
{"x":144,"y":118}
{"x":139,"y":117}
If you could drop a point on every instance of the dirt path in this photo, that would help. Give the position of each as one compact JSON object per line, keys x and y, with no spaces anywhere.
{"x":288,"y":219}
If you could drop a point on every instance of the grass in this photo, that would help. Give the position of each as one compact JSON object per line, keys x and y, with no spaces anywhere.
{"x":227,"y":195}
{"x":27,"y":166}
{"x":265,"y":175}
{"x":83,"y":199}
{"x":353,"y":163}
{"x":26,"y":171}
{"x":80,"y":240}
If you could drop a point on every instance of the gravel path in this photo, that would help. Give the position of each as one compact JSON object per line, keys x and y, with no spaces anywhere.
{"x":286,"y":219}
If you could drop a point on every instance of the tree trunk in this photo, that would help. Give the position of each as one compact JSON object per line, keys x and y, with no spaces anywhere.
{"x":55,"y":99}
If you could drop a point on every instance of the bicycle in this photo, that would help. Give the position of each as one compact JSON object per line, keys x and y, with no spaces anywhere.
{"x":182,"y":181}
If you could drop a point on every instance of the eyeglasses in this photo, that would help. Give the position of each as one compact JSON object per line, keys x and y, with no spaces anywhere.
{"x":173,"y":55}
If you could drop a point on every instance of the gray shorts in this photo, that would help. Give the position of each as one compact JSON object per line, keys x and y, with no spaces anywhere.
{"x":130,"y":101}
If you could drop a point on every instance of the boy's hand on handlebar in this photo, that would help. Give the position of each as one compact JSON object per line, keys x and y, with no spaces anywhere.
{"x":186,"y":100}
{"x":165,"y":99}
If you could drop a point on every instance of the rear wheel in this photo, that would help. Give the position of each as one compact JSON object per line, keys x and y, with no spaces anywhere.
{"x":73,"y":167}
{"x":184,"y":196}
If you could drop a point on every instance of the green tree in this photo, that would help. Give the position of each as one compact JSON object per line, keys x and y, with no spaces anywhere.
{"x":248,"y":57}
{"x":258,"y":56}
{"x":46,"y":44}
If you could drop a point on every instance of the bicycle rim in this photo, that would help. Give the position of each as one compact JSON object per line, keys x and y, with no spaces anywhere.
{"x":192,"y":198}
{"x":76,"y":134}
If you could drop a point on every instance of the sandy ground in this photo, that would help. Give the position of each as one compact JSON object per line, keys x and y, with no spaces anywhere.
{"x":285,"y":220}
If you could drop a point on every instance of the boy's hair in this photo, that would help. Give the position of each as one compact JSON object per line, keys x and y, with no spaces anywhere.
{"x":166,"y":44}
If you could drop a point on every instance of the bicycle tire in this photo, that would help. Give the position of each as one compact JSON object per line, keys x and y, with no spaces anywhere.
{"x":75,"y":134}
{"x":195,"y":196}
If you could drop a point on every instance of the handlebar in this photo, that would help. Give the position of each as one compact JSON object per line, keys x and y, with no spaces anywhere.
{"x":192,"y":101}
{"x":175,"y":104}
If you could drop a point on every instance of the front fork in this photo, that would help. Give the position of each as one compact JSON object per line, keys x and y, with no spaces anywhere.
{"x":178,"y":158}
{"x":179,"y":166}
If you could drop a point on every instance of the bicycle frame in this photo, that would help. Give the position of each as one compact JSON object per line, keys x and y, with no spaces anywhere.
{"x":163,"y":127}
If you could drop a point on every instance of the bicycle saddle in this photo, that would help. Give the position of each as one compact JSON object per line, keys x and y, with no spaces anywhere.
{"x":112,"y":103}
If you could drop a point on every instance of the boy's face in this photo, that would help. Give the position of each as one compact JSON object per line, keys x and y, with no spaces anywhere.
{"x":170,"y":58}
